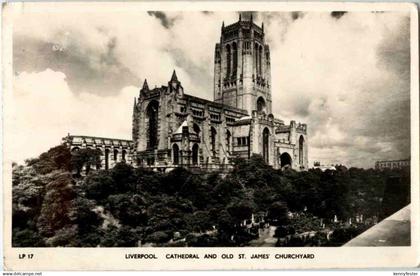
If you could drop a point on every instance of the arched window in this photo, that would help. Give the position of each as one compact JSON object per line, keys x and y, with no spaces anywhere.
{"x":123,"y":155}
{"x":260,"y":60}
{"x":197,"y":130}
{"x":285,"y":160}
{"x":301,"y":142}
{"x":266,"y":136}
{"x":213,"y":134}
{"x":98,"y":163}
{"x":195,"y":154}
{"x":115,"y":155}
{"x":228,"y":60}
{"x":106,"y":159}
{"x":175,"y":152}
{"x":235,"y":59}
{"x":152,"y":126}
{"x":256,"y":58}
{"x":261,"y":104}
{"x":228,"y":140}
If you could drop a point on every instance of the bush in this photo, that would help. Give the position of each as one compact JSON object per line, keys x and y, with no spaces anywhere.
{"x":158,"y":237}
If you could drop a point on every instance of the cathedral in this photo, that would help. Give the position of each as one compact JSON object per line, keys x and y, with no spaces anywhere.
{"x":172,"y":128}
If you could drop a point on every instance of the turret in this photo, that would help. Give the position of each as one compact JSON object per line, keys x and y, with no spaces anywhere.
{"x":242,"y":66}
{"x":145,"y":88}
{"x":174,"y":85}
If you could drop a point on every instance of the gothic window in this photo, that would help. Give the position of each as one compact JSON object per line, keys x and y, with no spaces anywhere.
{"x":213,"y":134}
{"x":115,"y":156}
{"x":124,"y":155}
{"x":152,"y":126}
{"x":242,"y":141}
{"x":301,"y":142}
{"x":235,"y":59}
{"x":260,"y":61}
{"x":266,"y":136}
{"x":106,"y":159}
{"x":195,"y":154}
{"x":198,"y":113}
{"x":230,"y":120}
{"x":261,"y":105}
{"x":228,"y":138}
{"x":285,"y":160}
{"x":256,"y":58}
{"x":228,"y":60}
{"x":197,"y":130}
{"x":98,"y":164}
{"x":215,"y":116}
{"x":175,"y":153}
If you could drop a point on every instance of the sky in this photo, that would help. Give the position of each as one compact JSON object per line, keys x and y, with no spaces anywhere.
{"x":345,"y":74}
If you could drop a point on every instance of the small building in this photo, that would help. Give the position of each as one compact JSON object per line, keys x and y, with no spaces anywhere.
{"x":112,"y":150}
{"x":392,"y":164}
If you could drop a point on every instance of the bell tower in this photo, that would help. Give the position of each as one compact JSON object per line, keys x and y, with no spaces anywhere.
{"x":242,"y":73}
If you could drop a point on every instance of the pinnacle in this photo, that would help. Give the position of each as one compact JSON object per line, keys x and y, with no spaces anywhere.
{"x":145,"y":85}
{"x":174,"y":77}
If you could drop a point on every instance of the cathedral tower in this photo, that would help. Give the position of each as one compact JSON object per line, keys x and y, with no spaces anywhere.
{"x":242,"y":74}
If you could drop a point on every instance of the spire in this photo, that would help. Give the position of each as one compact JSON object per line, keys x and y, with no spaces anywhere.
{"x":145,"y":85}
{"x":135,"y":102}
{"x":223,"y":25}
{"x":251,"y":17}
{"x":174,"y":77}
{"x":262,"y":26}
{"x":240,"y":16}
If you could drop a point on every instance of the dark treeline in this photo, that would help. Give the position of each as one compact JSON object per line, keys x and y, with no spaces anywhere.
{"x":54,"y":205}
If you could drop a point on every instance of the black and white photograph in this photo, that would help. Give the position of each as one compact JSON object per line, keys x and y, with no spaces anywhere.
{"x":210,"y":128}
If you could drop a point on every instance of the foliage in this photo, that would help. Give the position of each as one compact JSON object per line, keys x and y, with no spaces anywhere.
{"x":57,"y":204}
{"x":87,"y":158}
{"x":277,"y":213}
{"x":53,"y":207}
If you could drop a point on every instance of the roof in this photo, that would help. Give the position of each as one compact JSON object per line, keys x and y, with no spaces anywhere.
{"x":218,"y":105}
{"x":184,"y":124}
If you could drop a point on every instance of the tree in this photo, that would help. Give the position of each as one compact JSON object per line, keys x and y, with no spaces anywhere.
{"x":26,"y":238}
{"x":174,"y":180}
{"x":88,"y":222}
{"x":129,"y":209}
{"x":199,"y":221}
{"x":99,"y":185}
{"x":124,"y":177}
{"x":277,"y":213}
{"x":240,"y":209}
{"x":56,"y":158}
{"x":57,"y":205}
{"x":87,"y":158}
{"x":148,"y":181}
{"x":121,"y":237}
{"x":196,"y":190}
{"x":158,"y":237}
{"x":254,"y":172}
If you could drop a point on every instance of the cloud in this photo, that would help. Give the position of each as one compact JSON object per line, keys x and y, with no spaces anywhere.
{"x":44,"y":110}
{"x":344,"y":74}
{"x":165,"y":21}
{"x":355,"y":98}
